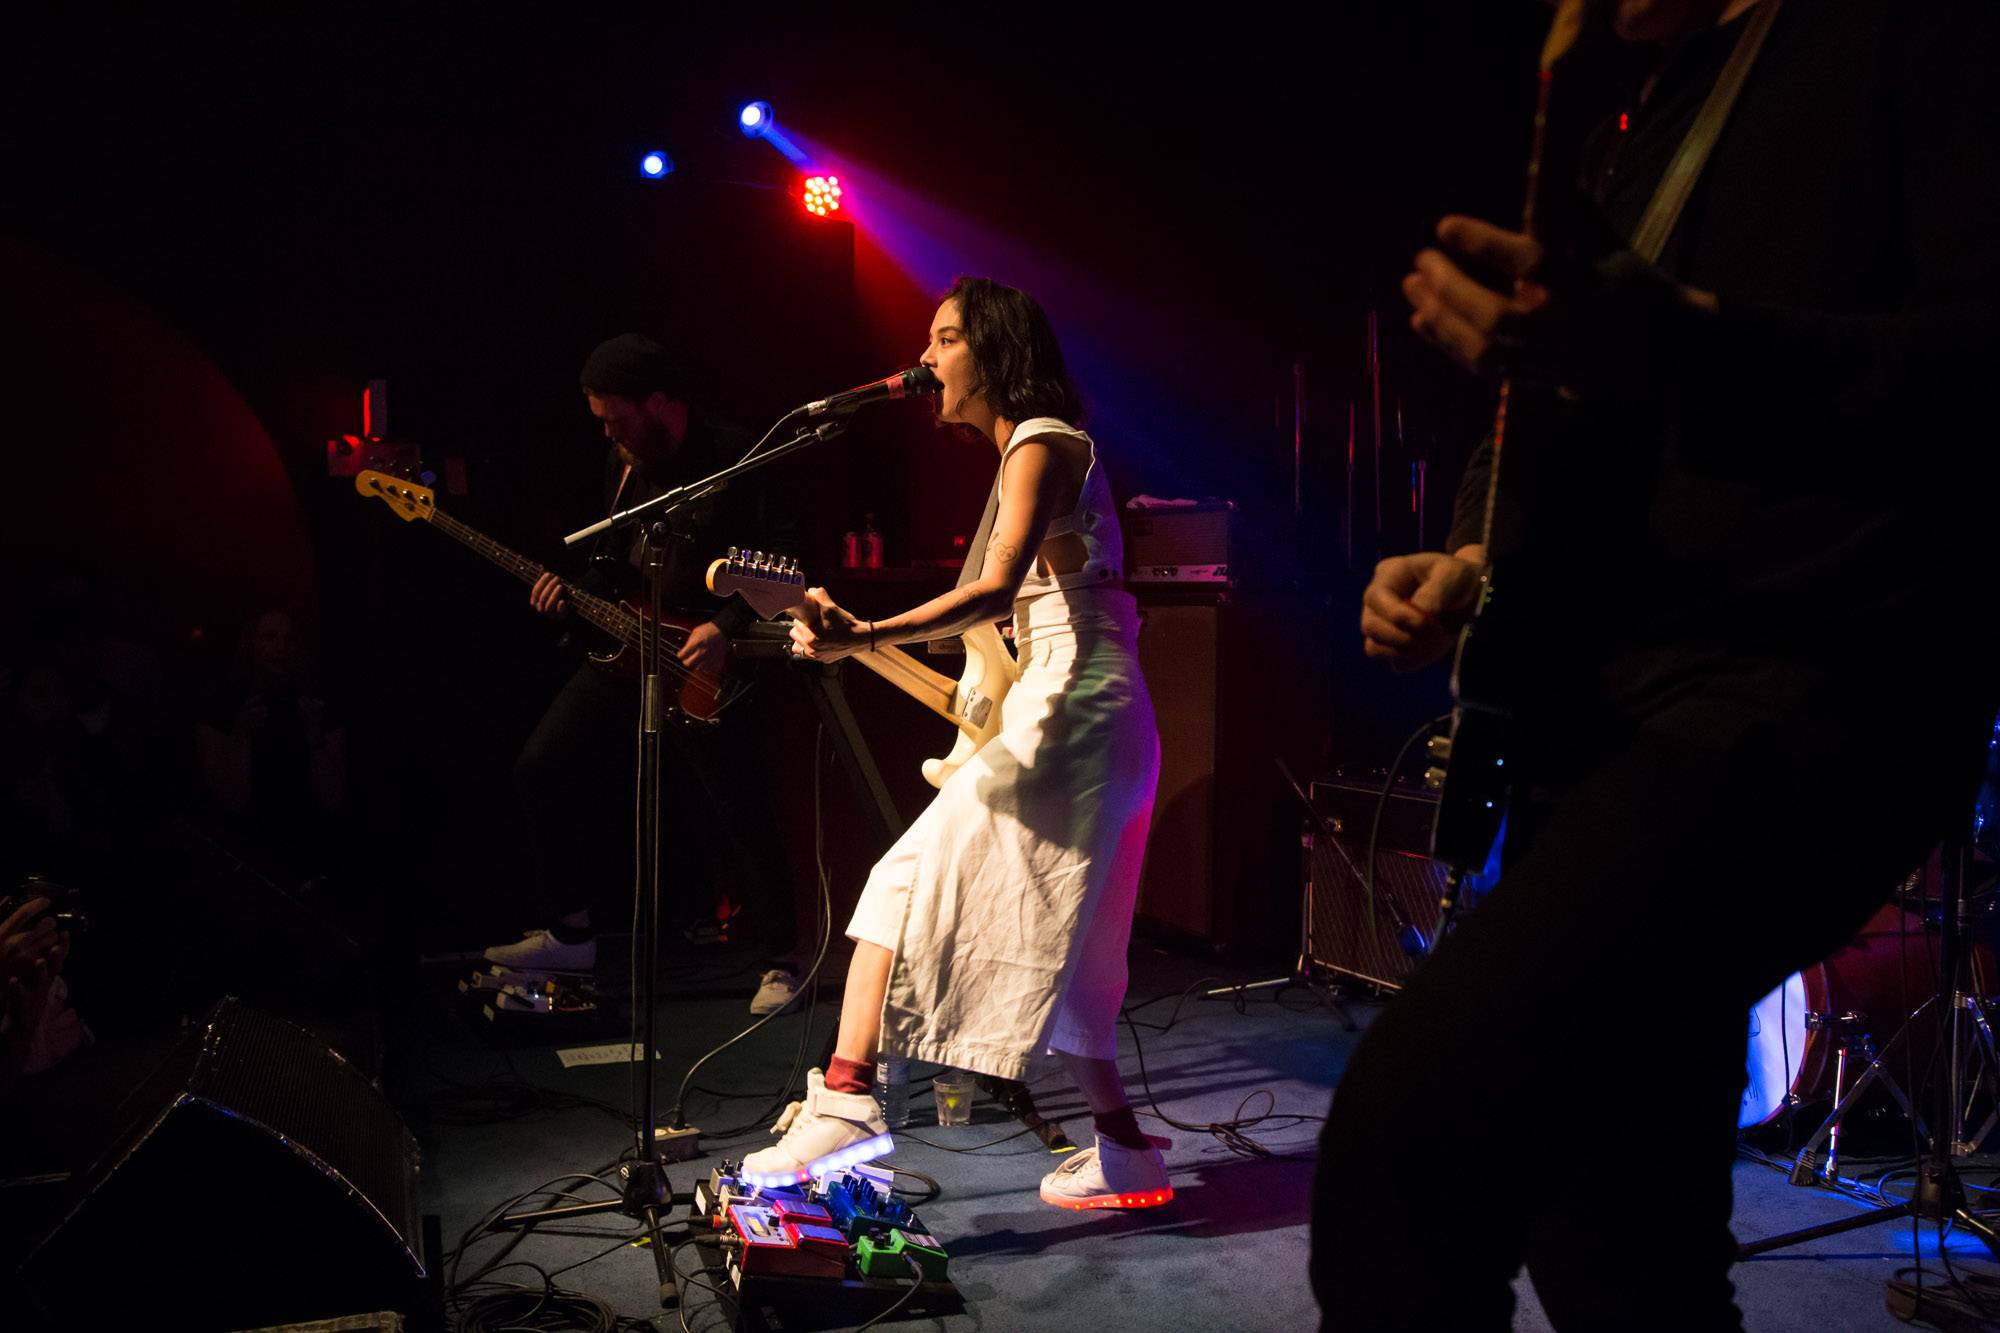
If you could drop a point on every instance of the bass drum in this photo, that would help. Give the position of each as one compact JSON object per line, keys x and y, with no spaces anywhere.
{"x":1796,"y":1030}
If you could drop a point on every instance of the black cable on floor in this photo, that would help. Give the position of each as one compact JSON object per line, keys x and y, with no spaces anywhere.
{"x":982,"y":1147}
{"x":933,"y":1189}
{"x":1229,"y":1132}
{"x":916,"y":1284}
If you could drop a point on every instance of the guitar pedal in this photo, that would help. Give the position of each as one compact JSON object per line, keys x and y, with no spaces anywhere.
{"x":891,"y":1256}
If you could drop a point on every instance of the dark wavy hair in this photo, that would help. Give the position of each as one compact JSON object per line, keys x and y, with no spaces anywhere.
{"x":1019,"y":362}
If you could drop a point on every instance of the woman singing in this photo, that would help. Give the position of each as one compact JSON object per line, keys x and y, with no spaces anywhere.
{"x":995,"y":930}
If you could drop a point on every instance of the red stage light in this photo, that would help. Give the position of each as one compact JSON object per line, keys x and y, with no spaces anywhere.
{"x":821,"y":195}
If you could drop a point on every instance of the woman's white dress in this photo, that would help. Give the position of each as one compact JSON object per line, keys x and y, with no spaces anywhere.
{"x":1008,"y":903}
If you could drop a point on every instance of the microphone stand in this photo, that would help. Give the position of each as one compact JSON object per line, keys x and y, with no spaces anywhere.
{"x":647,"y":1192}
{"x":667,"y":502}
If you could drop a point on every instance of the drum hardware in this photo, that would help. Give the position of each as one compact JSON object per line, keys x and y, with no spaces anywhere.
{"x":1860,"y":1046}
{"x":1968,"y":1039}
{"x":1801,"y":1032}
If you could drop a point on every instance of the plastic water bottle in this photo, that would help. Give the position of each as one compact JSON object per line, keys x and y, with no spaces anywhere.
{"x":892,"y":1089}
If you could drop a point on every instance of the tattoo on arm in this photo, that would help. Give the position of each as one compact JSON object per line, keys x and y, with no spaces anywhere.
{"x":1004,"y":552}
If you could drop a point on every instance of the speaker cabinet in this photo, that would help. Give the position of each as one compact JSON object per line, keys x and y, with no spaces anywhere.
{"x":262,"y":1180}
{"x":1237,"y":682}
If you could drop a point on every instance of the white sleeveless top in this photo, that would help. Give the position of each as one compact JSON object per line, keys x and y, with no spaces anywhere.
{"x":1094,"y":520}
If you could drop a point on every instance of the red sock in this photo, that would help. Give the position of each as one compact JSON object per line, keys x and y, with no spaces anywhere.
{"x":849,"y":1075}
{"x":1122,"y":1128}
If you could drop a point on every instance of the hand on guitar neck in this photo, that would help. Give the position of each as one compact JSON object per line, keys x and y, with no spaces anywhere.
{"x":546,"y":596}
{"x":703,"y":651}
{"x":1416,"y":605}
{"x":1556,"y":318}
{"x":823,"y":632}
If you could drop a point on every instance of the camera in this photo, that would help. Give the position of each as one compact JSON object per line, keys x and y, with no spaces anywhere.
{"x":65,"y":903}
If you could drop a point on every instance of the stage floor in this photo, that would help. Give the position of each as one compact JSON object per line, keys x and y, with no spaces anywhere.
{"x":496,"y":1114}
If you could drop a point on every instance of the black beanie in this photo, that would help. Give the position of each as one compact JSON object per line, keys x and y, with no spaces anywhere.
{"x":632,"y":366}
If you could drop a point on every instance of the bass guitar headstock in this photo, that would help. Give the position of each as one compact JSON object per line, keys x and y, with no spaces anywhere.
{"x":410,"y":500}
{"x":772,"y":584}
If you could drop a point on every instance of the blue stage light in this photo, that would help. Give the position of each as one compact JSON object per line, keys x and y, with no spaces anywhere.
{"x":655,"y":165}
{"x":755,"y":118}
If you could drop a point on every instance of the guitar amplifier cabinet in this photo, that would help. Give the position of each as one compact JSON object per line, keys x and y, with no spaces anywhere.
{"x":1187,"y":546}
{"x":1382,"y":942}
{"x":1236,"y":683}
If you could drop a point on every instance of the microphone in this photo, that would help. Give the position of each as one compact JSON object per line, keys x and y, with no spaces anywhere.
{"x":902,"y":384}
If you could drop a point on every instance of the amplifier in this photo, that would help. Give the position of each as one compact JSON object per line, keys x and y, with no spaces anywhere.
{"x":1379,"y":938}
{"x":1189,"y":544}
{"x":1348,"y":801}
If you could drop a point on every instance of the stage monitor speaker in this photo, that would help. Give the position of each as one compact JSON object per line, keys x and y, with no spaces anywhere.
{"x":262,"y":1180}
{"x":1380,"y":943}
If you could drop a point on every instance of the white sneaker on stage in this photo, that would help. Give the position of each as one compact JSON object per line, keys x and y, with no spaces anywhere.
{"x":1110,"y":1175}
{"x":825,"y":1132}
{"x":540,"y":951}
{"x":776,"y":990}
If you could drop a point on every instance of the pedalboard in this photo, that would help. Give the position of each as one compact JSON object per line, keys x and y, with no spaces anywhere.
{"x":508,"y":996}
{"x":844,"y":1244}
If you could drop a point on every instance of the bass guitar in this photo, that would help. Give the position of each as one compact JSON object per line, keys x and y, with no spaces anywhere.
{"x":702,"y":695}
{"x":971,"y":703}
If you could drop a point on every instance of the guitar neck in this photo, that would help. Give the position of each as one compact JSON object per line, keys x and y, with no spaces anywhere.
{"x":913,"y":678}
{"x":606,"y":615}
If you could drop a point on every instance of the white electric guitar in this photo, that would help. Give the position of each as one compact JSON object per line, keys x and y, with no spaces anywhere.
{"x":971,"y":703}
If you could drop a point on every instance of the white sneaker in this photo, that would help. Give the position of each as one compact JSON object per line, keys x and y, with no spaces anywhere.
{"x":776,"y":990}
{"x":540,"y":951}
{"x":825,"y":1132}
{"x":1110,"y":1175}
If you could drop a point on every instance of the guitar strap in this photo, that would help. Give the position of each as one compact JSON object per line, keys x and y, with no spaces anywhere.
{"x":1671,"y":195}
{"x":975,"y":553}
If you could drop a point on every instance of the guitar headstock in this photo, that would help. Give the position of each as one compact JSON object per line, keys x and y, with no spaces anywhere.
{"x":407,"y":498}
{"x":772,"y":584}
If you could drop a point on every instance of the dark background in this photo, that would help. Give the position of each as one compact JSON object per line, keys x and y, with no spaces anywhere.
{"x":219,"y":224}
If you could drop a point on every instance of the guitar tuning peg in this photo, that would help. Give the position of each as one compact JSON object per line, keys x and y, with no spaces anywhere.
{"x":735,"y":556}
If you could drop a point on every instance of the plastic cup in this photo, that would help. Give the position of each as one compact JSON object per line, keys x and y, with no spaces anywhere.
{"x":953,"y":1090}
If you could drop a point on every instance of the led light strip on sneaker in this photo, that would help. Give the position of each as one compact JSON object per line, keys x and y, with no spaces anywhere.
{"x":1151,"y":1199}
{"x":866,"y":1150}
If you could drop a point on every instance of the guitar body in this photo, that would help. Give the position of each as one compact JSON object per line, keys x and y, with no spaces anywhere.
{"x":701,"y":696}
{"x":1470,"y":761}
{"x":990,"y":671}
